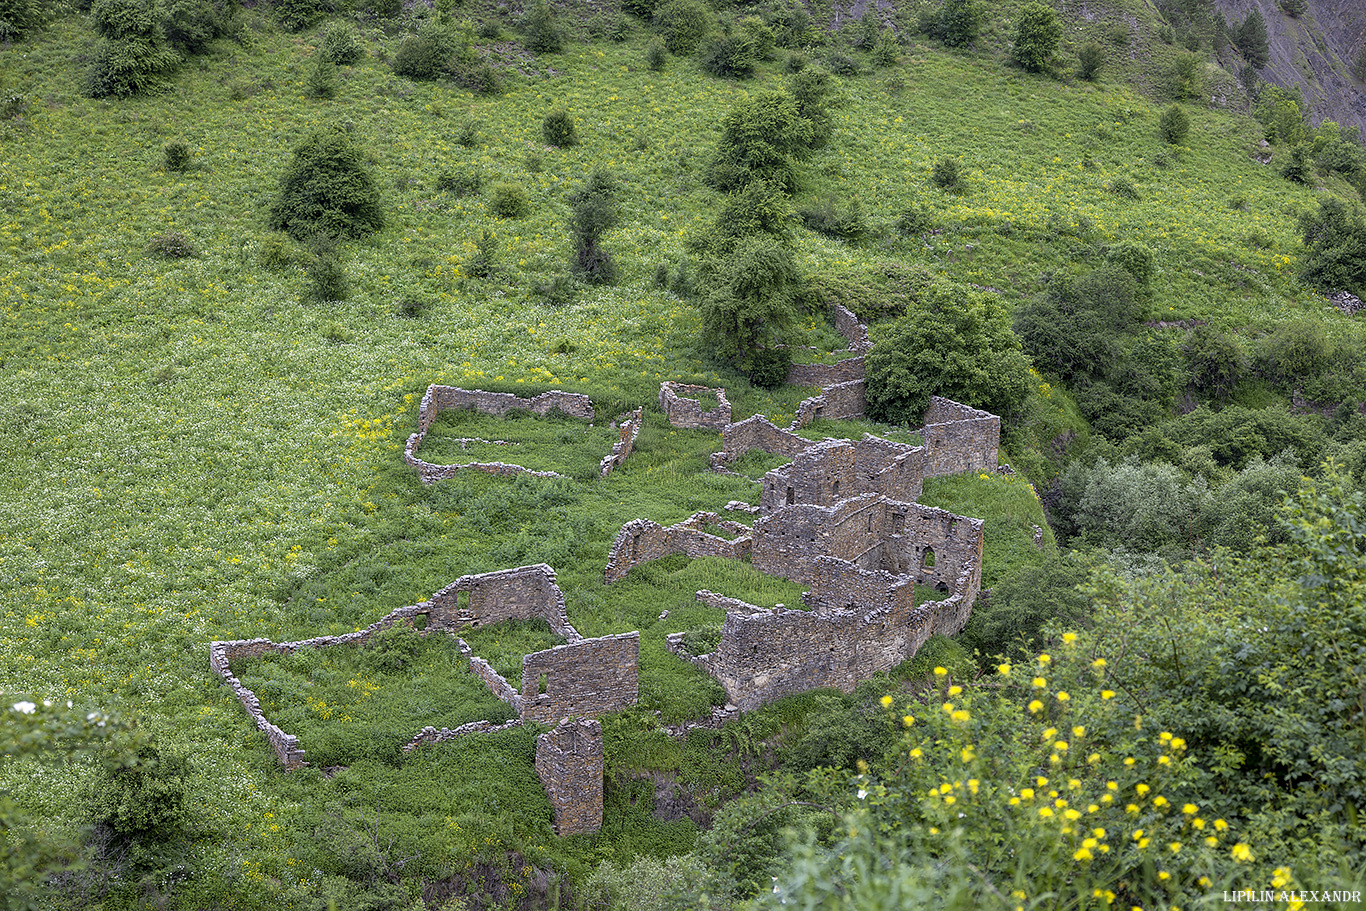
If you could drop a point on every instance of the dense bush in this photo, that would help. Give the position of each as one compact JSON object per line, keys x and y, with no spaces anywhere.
{"x":172,"y":245}
{"x":508,"y":200}
{"x":1295,"y":352}
{"x":1037,"y":34}
{"x":21,"y":18}
{"x":656,"y":55}
{"x":142,"y":796}
{"x":1215,"y":362}
{"x":342,"y":44}
{"x":1251,"y":40}
{"x":322,"y":78}
{"x":814,"y":91}
{"x":1173,"y":125}
{"x":595,"y":212}
{"x":297,"y":15}
{"x":418,"y":57}
{"x":748,"y":301}
{"x":768,"y":367}
{"x":1334,"y":247}
{"x":132,"y":54}
{"x":1186,"y":77}
{"x":945,"y":174}
{"x":1090,"y":60}
{"x":1297,"y":166}
{"x":958,"y":22}
{"x":683,"y":24}
{"x":540,"y":33}
{"x":1010,"y":622}
{"x":327,"y":189}
{"x":189,"y":25}
{"x":758,"y":207}
{"x":728,"y":55}
{"x":762,"y":138}
{"x":836,"y":216}
{"x":177,"y":155}
{"x":957,"y":343}
{"x":557,"y":129}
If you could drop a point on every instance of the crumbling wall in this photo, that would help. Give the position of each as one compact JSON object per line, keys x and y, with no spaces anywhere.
{"x":642,"y":540}
{"x":522,"y":593}
{"x":822,"y":475}
{"x":286,"y":746}
{"x":787,"y":540}
{"x":845,"y":371}
{"x":757,"y":433}
{"x":937,"y":547}
{"x":687,"y":412}
{"x":840,"y":402}
{"x":959,"y":438}
{"x":570,"y":764}
{"x":587,"y":677}
{"x":848,"y":325}
{"x":432,"y":735}
{"x":895,"y":470}
{"x":629,"y":427}
{"x":444,"y":398}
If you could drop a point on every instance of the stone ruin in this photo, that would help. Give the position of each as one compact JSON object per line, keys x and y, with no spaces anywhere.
{"x":687,"y":413}
{"x":446,"y":398}
{"x":641,"y":541}
{"x":582,"y":677}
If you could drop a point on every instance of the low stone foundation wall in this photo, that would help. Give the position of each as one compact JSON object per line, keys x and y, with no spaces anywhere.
{"x":522,"y":593}
{"x":848,"y":325}
{"x":641,"y":541}
{"x":570,"y":764}
{"x":844,"y":371}
{"x":432,"y":735}
{"x":687,"y":413}
{"x":757,"y":432}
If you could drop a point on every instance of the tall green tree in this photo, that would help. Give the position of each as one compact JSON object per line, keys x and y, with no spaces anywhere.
{"x":762,"y":138}
{"x":1251,"y":39}
{"x":595,"y":213}
{"x":1036,"y":37}
{"x":1334,"y":247}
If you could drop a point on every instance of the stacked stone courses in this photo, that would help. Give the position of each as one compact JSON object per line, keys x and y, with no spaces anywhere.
{"x":569,"y":759}
{"x":686,"y":413}
{"x":642,"y":541}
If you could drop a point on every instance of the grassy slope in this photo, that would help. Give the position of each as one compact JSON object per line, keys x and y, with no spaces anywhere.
{"x":193,"y":453}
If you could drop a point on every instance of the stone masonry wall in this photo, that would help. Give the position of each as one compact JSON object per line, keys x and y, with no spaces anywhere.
{"x":787,"y":540}
{"x":848,"y":325}
{"x":569,"y":762}
{"x":523,"y":593}
{"x":630,"y":429}
{"x":959,"y":438}
{"x":844,"y":371}
{"x":588,"y":677}
{"x":642,"y":540}
{"x":444,"y":398}
{"x":834,"y":470}
{"x":756,"y":433}
{"x":687,"y":412}
{"x":840,"y":402}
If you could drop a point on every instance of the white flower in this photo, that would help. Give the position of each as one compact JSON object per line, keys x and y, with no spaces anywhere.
{"x":25,"y":707}
{"x":862,"y":793}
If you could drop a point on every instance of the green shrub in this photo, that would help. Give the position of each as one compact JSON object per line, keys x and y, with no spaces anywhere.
{"x":484,"y":262}
{"x":327,"y":190}
{"x":322,"y":78}
{"x":836,"y":216}
{"x":1090,"y":60}
{"x":1215,"y":362}
{"x":540,"y":33}
{"x":189,"y":25}
{"x":956,"y":342}
{"x":419,"y":58}
{"x":1010,"y":622}
{"x":460,"y":183}
{"x":656,"y":54}
{"x":749,"y":297}
{"x":297,"y":15}
{"x":177,"y":155}
{"x":595,"y":212}
{"x":1036,"y":37}
{"x":913,"y":222}
{"x":1295,"y":352}
{"x":768,"y":367}
{"x":508,"y":200}
{"x":1334,"y":247}
{"x":945,"y":175}
{"x":814,"y":91}
{"x":127,"y":66}
{"x":1186,"y":77}
{"x":1123,"y":188}
{"x":1134,"y":258}
{"x":728,"y":56}
{"x":841,"y":64}
{"x":326,"y":276}
{"x":886,"y":50}
{"x":342,"y":44}
{"x":762,"y":138}
{"x":758,"y":207}
{"x":142,"y":796}
{"x":1297,"y":166}
{"x":959,"y":22}
{"x":1173,"y":125}
{"x":683,"y":24}
{"x":558,"y":129}
{"x":172,"y":245}
{"x":21,"y":18}
{"x":1251,"y":40}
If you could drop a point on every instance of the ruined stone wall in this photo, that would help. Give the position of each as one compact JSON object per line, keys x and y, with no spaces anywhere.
{"x":848,"y":325}
{"x":642,"y":540}
{"x":895,"y":470}
{"x":522,"y":593}
{"x":444,"y":398}
{"x":687,"y":412}
{"x":630,"y":429}
{"x":840,"y":402}
{"x":757,"y":433}
{"x":588,"y":677}
{"x":432,"y":735}
{"x":787,"y":540}
{"x":496,"y":683}
{"x":959,"y":438}
{"x":286,"y":746}
{"x":570,"y":764}
{"x":844,"y":371}
{"x":954,"y":541}
{"x":822,"y":475}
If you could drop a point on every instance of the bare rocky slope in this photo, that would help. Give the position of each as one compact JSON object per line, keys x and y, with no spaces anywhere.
{"x":1314,"y":53}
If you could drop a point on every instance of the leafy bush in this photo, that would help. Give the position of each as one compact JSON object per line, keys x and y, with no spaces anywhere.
{"x":172,"y":245}
{"x":683,"y":24}
{"x":418,"y":57}
{"x":1123,"y":188}
{"x":141,"y":796}
{"x":322,"y":78}
{"x":945,"y":176}
{"x":1186,"y":77}
{"x":836,"y":216}
{"x":1134,"y":258}
{"x":326,"y":276}
{"x":297,"y":15}
{"x":1215,"y":361}
{"x":762,"y":138}
{"x":540,"y":33}
{"x":460,"y":183}
{"x":177,"y":155}
{"x":913,"y":222}
{"x":327,"y":190}
{"x":1173,"y":125}
{"x":1091,"y":59}
{"x":508,"y":200}
{"x":1010,"y":623}
{"x":768,"y":367}
{"x":595,"y":213}
{"x":814,"y":91}
{"x":886,"y":50}
{"x":959,"y":22}
{"x":21,"y":18}
{"x":841,"y":64}
{"x":342,"y":44}
{"x":728,"y":55}
{"x":1335,"y":247}
{"x":1295,"y":352}
{"x":189,"y":25}
{"x":656,"y":55}
{"x":957,"y":343}
{"x":1297,"y":166}
{"x":127,"y":66}
{"x":1036,"y":37}
{"x":484,"y":262}
{"x":749,"y":296}
{"x":758,"y":207}
{"x":558,"y":129}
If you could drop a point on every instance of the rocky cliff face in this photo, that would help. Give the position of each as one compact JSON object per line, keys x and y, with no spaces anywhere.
{"x":1314,"y":53}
